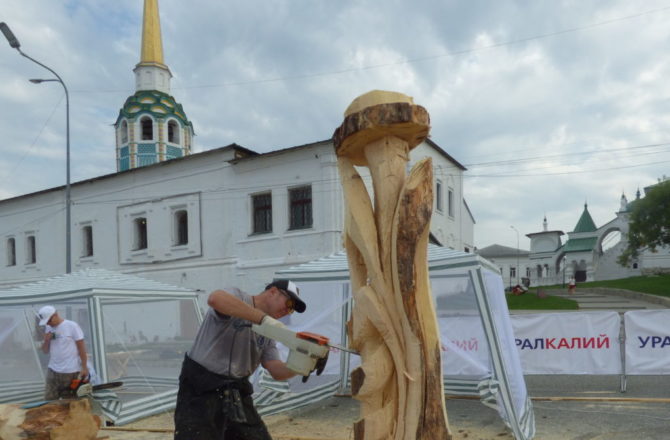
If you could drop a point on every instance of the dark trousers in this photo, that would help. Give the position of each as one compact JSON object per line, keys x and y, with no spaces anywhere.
{"x":215,"y":407}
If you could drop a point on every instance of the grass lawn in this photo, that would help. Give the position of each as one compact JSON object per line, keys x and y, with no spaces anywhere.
{"x":530,"y":301}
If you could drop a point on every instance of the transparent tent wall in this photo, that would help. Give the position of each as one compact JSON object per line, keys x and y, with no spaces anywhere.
{"x":324,"y":315}
{"x":19,"y":344}
{"x":145,"y":341}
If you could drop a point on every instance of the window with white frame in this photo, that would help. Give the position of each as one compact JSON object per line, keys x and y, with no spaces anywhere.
{"x":180,"y":227}
{"x":11,"y":251}
{"x":512,"y":272}
{"x":31,"y":250}
{"x":528,"y":272}
{"x":147,"y":127}
{"x":450,"y":202}
{"x":262,"y":213}
{"x":140,"y":233}
{"x":300,"y":207}
{"x":173,"y":131}
{"x":87,"y":241}
{"x":124,"y":132}
{"x":439,"y":204}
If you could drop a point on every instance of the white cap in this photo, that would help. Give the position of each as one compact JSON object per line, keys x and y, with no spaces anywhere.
{"x":45,"y":314}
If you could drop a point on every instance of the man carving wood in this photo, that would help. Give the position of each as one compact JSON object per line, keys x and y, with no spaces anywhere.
{"x":393,"y":326}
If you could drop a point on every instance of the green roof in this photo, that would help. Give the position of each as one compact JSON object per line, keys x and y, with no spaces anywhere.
{"x":580,"y":244}
{"x":585,"y":223}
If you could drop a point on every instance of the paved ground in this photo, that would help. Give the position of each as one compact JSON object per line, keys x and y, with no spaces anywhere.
{"x":616,"y":300}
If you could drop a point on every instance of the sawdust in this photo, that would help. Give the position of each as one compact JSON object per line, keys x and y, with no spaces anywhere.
{"x":331,"y":419}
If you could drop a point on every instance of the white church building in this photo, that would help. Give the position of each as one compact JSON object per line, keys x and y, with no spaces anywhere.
{"x":228,"y":216}
{"x":589,"y":253}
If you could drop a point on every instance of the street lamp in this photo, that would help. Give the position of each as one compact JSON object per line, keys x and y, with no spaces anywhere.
{"x":517,"y":254}
{"x":14,"y":43}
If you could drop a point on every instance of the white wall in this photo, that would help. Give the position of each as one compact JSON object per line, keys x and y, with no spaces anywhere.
{"x":216,"y":191}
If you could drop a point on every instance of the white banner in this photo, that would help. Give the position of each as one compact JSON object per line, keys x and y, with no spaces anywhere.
{"x":647,"y":341}
{"x":465,"y":351}
{"x":568,"y":343}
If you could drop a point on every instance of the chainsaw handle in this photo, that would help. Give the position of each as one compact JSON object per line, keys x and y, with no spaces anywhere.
{"x":313,"y":337}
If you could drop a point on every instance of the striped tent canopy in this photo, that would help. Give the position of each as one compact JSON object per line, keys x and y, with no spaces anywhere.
{"x":136,"y":331}
{"x":479,"y":355}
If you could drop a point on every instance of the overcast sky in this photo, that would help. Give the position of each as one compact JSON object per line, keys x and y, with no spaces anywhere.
{"x":547,"y":103}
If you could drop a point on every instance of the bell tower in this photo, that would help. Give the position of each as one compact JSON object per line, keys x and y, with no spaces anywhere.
{"x":151,"y":127}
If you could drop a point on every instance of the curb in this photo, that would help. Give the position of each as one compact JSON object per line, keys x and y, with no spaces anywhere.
{"x":654,"y":299}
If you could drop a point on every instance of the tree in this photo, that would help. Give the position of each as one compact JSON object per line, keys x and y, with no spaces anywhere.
{"x":649,"y":225}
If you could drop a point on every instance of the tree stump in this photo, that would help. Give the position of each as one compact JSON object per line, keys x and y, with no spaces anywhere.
{"x":58,"y":420}
{"x":393,"y":324}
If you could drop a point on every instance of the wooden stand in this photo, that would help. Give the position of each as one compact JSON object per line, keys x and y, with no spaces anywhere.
{"x":58,"y":420}
{"x":393,"y":324}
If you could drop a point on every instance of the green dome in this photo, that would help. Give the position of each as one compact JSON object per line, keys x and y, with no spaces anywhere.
{"x":158,"y":104}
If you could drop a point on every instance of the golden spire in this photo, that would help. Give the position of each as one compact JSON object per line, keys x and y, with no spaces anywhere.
{"x":152,"y":46}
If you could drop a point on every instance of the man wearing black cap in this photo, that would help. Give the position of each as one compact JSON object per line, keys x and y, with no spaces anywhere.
{"x":214,"y":400}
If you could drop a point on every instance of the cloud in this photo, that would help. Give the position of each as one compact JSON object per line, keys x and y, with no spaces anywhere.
{"x":576,"y":86}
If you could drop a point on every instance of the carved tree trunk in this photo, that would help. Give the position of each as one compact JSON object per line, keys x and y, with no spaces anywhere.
{"x":393,"y":325}
{"x":58,"y":420}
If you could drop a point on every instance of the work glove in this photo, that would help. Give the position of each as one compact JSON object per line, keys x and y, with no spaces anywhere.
{"x":267,"y":324}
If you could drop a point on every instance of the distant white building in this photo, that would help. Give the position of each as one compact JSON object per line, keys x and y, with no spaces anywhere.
{"x":586,"y":255}
{"x":227,"y":216}
{"x":513,"y":263}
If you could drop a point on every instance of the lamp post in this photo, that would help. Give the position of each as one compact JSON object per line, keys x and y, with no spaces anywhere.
{"x":517,"y":254}
{"x":564,"y":263}
{"x":14,"y":43}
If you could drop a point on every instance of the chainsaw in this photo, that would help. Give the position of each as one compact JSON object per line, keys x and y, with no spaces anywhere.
{"x":304,"y":348}
{"x":80,"y":388}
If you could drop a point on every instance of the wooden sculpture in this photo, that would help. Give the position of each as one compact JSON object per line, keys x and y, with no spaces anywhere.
{"x":393,"y":324}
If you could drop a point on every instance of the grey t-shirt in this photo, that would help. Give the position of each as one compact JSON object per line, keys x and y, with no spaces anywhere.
{"x":226,"y":345}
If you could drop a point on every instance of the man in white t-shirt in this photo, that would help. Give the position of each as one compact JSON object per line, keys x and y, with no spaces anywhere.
{"x":64,"y":342}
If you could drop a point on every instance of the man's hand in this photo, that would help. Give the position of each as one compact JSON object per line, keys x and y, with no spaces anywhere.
{"x":84,"y":373}
{"x":48,"y":336}
{"x":318,"y":367}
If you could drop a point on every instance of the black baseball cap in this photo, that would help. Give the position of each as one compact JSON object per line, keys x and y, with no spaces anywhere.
{"x":291,"y":290}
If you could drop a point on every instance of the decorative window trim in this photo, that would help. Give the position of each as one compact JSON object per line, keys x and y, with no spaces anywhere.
{"x":142,"y":128}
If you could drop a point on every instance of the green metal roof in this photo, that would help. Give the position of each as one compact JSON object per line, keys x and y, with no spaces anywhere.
{"x":585,"y":223}
{"x":580,"y":244}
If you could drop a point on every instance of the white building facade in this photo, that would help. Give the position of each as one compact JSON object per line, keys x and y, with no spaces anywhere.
{"x":224,"y":217}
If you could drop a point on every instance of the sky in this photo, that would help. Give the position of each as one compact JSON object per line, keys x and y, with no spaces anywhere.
{"x":548,"y":104}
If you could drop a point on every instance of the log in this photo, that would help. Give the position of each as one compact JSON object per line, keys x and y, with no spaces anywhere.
{"x":393,"y":323}
{"x":69,"y":419}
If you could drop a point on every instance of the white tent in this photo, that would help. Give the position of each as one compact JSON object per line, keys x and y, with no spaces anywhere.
{"x":479,"y":352}
{"x":136,"y":331}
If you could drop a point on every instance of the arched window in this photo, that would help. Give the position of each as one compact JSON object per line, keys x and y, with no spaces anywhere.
{"x":173,"y":132}
{"x":140,"y":238}
{"x":147,"y":128}
{"x":180,"y":227}
{"x":31,"y":250}
{"x":87,"y":241}
{"x":124,"y":132}
{"x":11,"y":252}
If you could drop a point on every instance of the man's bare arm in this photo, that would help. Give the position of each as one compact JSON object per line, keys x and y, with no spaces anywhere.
{"x":227,"y":304}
